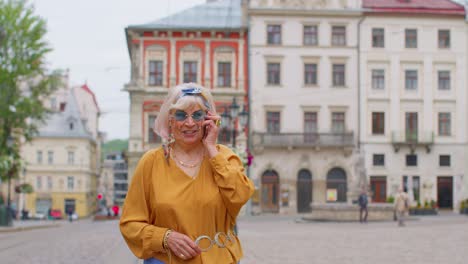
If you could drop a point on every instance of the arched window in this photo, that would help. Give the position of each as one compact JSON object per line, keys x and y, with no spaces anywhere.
{"x":336,"y":180}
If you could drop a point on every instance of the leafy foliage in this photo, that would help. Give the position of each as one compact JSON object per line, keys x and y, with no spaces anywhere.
{"x":24,"y":80}
{"x":116,"y":145}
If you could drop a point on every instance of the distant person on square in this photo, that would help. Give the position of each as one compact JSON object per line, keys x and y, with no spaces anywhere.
{"x":401,"y":206}
{"x":115,"y":209}
{"x":363,"y":201}
{"x":184,"y":197}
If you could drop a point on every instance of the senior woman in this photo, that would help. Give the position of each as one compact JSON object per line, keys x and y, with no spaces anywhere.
{"x":184,"y":198}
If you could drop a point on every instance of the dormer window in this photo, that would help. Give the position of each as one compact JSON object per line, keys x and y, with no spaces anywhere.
{"x":71,"y":125}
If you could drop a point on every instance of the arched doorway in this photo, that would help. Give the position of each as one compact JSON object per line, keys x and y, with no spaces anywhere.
{"x":336,"y":180}
{"x":304,"y":191}
{"x":270,"y":191}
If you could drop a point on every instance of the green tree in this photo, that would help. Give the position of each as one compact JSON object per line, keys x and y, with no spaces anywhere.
{"x":24,"y":79}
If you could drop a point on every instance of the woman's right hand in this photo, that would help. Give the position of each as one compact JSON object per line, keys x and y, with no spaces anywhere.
{"x":182,"y":246}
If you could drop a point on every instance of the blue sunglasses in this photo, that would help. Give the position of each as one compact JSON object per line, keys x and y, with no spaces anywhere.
{"x":197,"y":116}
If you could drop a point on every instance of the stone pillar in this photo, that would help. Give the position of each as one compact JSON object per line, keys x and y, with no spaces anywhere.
{"x":172,"y":74}
{"x":207,"y":77}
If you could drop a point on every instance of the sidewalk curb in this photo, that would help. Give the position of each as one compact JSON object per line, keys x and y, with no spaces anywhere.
{"x":26,"y":228}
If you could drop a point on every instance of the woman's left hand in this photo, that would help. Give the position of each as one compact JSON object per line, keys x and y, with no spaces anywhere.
{"x":211,"y":132}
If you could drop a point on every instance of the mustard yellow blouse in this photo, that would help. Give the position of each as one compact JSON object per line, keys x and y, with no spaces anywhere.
{"x":161,"y":197}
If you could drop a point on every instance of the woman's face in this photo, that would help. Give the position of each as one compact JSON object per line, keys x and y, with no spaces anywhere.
{"x":187,"y":125}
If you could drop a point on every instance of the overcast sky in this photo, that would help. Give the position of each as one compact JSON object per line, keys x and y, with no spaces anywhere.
{"x":87,"y":37}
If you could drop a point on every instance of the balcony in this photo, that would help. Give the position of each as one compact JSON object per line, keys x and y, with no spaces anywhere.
{"x":412,"y":140}
{"x":303,"y":140}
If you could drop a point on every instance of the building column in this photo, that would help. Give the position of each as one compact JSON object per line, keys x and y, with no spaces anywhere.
{"x":172,"y":73}
{"x":207,"y":77}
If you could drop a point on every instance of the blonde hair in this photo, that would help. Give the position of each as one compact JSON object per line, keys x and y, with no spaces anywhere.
{"x":176,"y":100}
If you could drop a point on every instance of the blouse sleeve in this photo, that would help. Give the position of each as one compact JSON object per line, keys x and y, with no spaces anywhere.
{"x":235,"y":187}
{"x":143,"y":238}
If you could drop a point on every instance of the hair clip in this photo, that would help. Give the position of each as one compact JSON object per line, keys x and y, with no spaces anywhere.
{"x":194,"y":91}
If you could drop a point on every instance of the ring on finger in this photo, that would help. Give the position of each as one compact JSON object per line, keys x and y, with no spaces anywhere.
{"x":218,"y":122}
{"x":181,"y":255}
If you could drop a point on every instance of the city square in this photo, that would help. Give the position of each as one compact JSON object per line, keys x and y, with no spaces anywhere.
{"x":266,"y":239}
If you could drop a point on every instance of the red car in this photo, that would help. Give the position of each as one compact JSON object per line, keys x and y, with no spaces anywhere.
{"x":56,"y":214}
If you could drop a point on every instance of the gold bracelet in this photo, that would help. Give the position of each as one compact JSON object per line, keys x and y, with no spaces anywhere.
{"x":166,"y":235}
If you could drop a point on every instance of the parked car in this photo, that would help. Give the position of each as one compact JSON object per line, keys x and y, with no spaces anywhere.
{"x":56,"y":214}
{"x":37,"y":215}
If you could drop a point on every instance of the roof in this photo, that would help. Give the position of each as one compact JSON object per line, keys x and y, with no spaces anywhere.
{"x":86,"y":88}
{"x":58,"y":124}
{"x":436,"y":7}
{"x":223,"y":14}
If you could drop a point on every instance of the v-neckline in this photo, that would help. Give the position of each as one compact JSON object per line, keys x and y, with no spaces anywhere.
{"x":185,"y":174}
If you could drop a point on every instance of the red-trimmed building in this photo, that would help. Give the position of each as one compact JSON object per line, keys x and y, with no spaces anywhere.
{"x":206,"y":44}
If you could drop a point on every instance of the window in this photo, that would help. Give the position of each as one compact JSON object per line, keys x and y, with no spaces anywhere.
{"x":444,"y":80}
{"x":338,"y":35}
{"x":310,"y":35}
{"x":273,"y":70}
{"x":274,"y":34}
{"x":53,"y":103}
{"x":416,"y":188}
{"x":310,"y":126}
{"x":155,"y":73}
{"x":310,"y":74}
{"x":411,"y":38}
{"x":39,"y":182}
{"x":444,"y":39}
{"x":411,"y":80}
{"x":338,"y":122}
{"x":378,"y":79}
{"x":70,"y":182}
{"x":444,"y":124}
{"x":378,"y":123}
{"x":411,"y":160}
{"x":378,"y":160}
{"x":411,"y":122}
{"x":71,"y":125}
{"x":190,"y":71}
{"x":49,"y":182}
{"x":273,"y":122}
{"x":405,"y":183}
{"x":338,"y":75}
{"x":444,"y":160}
{"x":224,"y":74}
{"x":39,"y":157}
{"x":71,"y":157}
{"x":50,"y":157}
{"x":152,"y":136}
{"x":378,"y":38}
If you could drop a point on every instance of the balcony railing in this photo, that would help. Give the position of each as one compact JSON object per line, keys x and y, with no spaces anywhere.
{"x":303,"y":139}
{"x":412,"y":139}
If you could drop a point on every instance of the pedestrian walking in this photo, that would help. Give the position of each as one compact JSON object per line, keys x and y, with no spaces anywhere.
{"x":70,"y":214}
{"x":401,"y":206}
{"x":184,"y":198}
{"x":363,"y":201}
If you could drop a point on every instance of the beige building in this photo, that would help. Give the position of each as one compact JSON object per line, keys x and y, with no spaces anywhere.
{"x":304,"y":99}
{"x":62,"y":160}
{"x":414,"y":100}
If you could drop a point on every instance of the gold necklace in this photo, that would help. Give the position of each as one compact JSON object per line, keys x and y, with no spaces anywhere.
{"x":183,"y":163}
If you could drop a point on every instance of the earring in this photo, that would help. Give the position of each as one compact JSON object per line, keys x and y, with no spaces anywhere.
{"x":171,"y":135}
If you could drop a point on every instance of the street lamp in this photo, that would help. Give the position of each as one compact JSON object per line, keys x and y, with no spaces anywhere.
{"x":10,"y":142}
{"x":230,"y":118}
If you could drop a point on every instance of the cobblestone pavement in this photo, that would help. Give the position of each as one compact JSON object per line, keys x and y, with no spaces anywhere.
{"x":439,"y":239}
{"x":84,"y":242}
{"x":266,"y":239}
